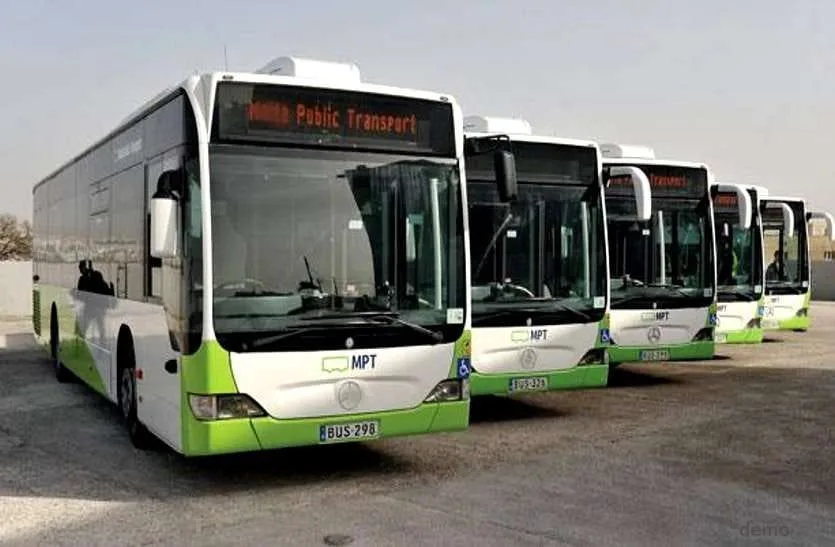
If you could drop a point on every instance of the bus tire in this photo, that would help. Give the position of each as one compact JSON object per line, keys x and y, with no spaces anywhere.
{"x":62,"y":374}
{"x":139,"y":435}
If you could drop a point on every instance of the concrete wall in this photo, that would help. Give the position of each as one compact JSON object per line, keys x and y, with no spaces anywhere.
{"x":15,"y":289}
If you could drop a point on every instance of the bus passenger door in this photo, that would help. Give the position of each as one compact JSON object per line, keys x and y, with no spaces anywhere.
{"x":161,"y":323}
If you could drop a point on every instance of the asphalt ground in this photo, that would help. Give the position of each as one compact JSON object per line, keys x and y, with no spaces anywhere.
{"x":734,"y":451}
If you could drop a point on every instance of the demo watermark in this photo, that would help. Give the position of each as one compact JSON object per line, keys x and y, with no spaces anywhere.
{"x":753,"y":529}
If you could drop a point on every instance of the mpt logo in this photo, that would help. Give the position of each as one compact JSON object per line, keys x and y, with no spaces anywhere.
{"x":360,"y":362}
{"x":538,"y":334}
{"x":655,"y":316}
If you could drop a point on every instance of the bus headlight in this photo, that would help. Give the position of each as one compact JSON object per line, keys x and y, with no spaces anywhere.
{"x":449,"y":390}
{"x":595,"y":356}
{"x":754,"y":323}
{"x":802,"y":312}
{"x":224,"y":407}
{"x":704,"y":335}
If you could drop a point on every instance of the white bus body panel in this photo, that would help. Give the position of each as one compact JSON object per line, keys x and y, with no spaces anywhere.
{"x":630,"y":328}
{"x":497,"y":350}
{"x":734,"y":316}
{"x":158,"y":392}
{"x":779,"y":307}
{"x":305,"y":384}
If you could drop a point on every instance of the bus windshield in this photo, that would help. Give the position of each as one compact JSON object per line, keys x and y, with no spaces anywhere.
{"x":787,"y":270}
{"x":666,"y":258}
{"x":306,"y":237}
{"x":739,"y":256}
{"x":547,"y":247}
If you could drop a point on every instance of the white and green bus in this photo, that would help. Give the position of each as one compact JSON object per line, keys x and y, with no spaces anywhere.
{"x":740,"y":265}
{"x":788,"y":275}
{"x":260,"y":260}
{"x":540,"y":282}
{"x":663,"y":269}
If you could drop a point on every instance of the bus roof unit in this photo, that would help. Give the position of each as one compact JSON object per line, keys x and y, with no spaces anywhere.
{"x":312,"y":69}
{"x":490,"y":124}
{"x":621,"y":151}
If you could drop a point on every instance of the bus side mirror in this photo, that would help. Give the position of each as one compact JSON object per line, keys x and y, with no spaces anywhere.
{"x":165,"y":217}
{"x":504,"y":165}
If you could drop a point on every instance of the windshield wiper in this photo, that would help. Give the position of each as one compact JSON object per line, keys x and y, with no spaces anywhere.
{"x":493,"y":241}
{"x":386,"y":317}
{"x":239,"y":294}
{"x":267,"y":340}
{"x":677,"y":289}
{"x":746,"y":294}
{"x":392,"y":318}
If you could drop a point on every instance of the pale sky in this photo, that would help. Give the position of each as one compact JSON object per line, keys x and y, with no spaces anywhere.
{"x":746,"y":86}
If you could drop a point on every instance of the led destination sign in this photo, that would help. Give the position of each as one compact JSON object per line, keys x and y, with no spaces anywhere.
{"x":725,"y":202}
{"x":337,"y":118}
{"x":664,"y":181}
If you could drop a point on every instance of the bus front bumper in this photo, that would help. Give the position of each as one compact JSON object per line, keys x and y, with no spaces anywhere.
{"x":204,"y":438}
{"x":586,"y":376}
{"x":742,"y":336}
{"x":690,"y":351}
{"x":792,"y":323}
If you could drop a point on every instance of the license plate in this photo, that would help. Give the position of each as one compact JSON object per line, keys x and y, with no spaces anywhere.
{"x":335,"y":433}
{"x":539,"y":383}
{"x":654,"y":355}
{"x":770,"y":323}
{"x":721,"y":338}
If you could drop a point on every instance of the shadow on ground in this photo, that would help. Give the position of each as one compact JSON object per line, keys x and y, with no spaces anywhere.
{"x":492,"y":409}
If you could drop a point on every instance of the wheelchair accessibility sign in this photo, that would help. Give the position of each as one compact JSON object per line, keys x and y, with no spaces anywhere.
{"x":464,"y":368}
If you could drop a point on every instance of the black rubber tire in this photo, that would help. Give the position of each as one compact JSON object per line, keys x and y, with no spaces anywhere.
{"x":62,"y":374}
{"x":139,"y":435}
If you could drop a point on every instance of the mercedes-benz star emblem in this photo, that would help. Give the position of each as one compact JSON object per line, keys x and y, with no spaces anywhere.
{"x":349,"y":395}
{"x":654,"y":334}
{"x":527,"y":358}
{"x":349,"y":342}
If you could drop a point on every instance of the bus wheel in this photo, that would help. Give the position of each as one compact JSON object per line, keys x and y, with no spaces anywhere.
{"x":62,"y":374}
{"x":140,"y":437}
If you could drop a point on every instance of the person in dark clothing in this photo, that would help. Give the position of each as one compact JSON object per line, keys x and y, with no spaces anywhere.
{"x":772,"y":273}
{"x":84,"y":281}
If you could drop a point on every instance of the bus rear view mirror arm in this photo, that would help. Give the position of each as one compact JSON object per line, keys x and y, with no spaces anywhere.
{"x":788,"y":216}
{"x":743,"y":201}
{"x":504,"y":162}
{"x":165,"y":216}
{"x":640,"y":182}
